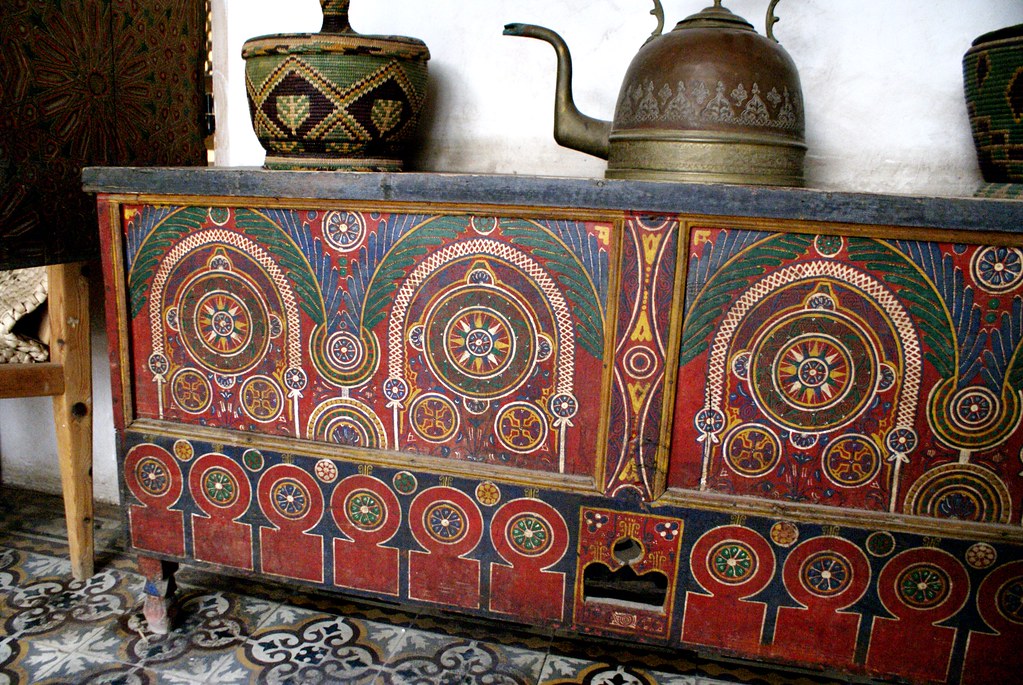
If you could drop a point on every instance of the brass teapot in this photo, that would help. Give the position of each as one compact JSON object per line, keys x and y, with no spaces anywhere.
{"x":709,"y":101}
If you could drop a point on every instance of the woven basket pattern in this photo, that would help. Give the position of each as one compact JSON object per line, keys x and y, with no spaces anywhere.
{"x":21,"y":292}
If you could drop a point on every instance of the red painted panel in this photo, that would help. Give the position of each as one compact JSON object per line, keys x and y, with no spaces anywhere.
{"x":291,"y":499}
{"x":153,"y":476}
{"x":459,"y":337}
{"x":448,"y":524}
{"x":998,"y":658}
{"x":645,"y":299}
{"x":531,"y":535}
{"x":365,"y":510}
{"x":732,"y":563}
{"x":649,"y":555}
{"x":221,"y":490}
{"x":921,"y":587}
{"x":825,"y":575}
{"x":851,"y":372}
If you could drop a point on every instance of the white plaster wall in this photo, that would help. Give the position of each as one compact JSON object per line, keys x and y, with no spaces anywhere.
{"x":881,"y":81}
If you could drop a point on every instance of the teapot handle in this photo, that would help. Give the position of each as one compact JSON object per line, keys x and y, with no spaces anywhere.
{"x":657,"y":11}
{"x":771,"y":20}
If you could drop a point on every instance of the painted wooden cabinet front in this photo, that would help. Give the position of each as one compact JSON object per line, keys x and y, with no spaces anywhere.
{"x":853,"y":372}
{"x":471,"y":338}
{"x":749,"y":436}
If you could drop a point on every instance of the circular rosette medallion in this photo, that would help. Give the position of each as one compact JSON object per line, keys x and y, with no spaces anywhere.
{"x":826,"y":573}
{"x":262,"y":399}
{"x":965,"y":492}
{"x":1010,"y":600}
{"x":851,"y":461}
{"x":152,"y":476}
{"x":973,"y":417}
{"x":529,"y":534}
{"x":364,"y":510}
{"x":290,"y":498}
{"x":732,"y":562}
{"x":923,"y":585}
{"x":344,"y":358}
{"x":224,"y":322}
{"x":998,"y":269}
{"x":346,"y":421}
{"x":344,"y":231}
{"x":220,"y":487}
{"x":1000,"y":600}
{"x":752,"y":450}
{"x":480,"y":342}
{"x":981,"y":555}
{"x":445,"y":522}
{"x":520,"y":427}
{"x":191,"y":391}
{"x":434,"y":417}
{"x":814,"y":371}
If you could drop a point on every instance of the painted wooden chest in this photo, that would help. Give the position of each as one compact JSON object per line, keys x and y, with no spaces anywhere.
{"x":775,"y":424}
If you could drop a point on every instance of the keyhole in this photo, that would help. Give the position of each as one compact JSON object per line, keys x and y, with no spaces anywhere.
{"x":627,"y":550}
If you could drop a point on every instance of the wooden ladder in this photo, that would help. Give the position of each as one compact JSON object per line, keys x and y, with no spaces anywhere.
{"x":67,"y":377}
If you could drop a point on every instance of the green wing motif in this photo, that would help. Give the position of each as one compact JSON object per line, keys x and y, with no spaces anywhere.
{"x":289,"y":256}
{"x":400,"y":258}
{"x":734,"y":277}
{"x":163,"y":236}
{"x":917,"y":293}
{"x":571,"y":275}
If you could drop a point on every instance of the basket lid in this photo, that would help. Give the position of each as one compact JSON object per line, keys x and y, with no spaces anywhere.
{"x":1007,"y":33}
{"x":336,"y":43}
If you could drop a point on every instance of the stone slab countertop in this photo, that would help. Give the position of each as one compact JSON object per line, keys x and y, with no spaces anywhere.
{"x":803,"y":204}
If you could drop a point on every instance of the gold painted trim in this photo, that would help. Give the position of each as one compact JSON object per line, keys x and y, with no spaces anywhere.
{"x":286,"y":445}
{"x":482,"y":208}
{"x":671,"y":357}
{"x":821,"y":515}
{"x":530,"y":212}
{"x":611,"y":331}
{"x":115,"y":214}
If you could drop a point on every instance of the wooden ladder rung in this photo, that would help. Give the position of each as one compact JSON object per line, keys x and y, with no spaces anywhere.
{"x":31,"y":380}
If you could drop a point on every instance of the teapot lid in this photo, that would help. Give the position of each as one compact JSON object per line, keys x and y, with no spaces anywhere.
{"x":715,"y":17}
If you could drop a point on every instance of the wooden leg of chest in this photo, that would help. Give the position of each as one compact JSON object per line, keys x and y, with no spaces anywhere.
{"x":72,"y":410}
{"x":159,"y":593}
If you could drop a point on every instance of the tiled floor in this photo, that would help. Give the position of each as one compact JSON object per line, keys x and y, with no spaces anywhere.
{"x":57,"y":630}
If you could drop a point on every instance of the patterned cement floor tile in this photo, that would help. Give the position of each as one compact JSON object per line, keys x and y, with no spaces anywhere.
{"x":427,"y":657}
{"x":208,"y":628}
{"x":10,"y":651}
{"x":207,"y":669}
{"x":113,"y":674}
{"x":664,"y":665}
{"x":42,"y":605}
{"x":297,"y":645}
{"x":76,"y":655}
{"x":560,"y":670}
{"x":304,"y":598}
{"x":504,"y":633}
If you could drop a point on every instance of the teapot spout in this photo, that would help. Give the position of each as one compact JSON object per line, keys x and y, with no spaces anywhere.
{"x":572,"y":128}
